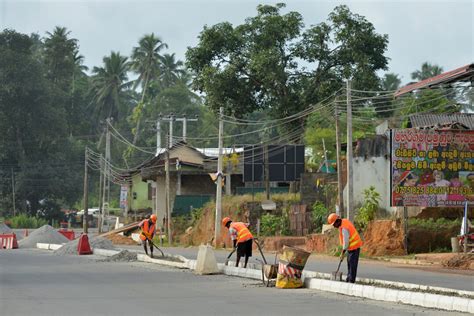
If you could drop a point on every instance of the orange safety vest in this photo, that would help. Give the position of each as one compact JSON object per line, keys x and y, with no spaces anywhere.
{"x":243,"y":233}
{"x":354,"y":239}
{"x":147,"y":230}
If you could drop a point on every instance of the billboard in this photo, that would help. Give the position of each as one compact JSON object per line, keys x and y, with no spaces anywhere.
{"x":285,"y":163}
{"x":432,"y":167}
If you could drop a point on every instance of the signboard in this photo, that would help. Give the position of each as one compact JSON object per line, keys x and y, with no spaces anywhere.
{"x":432,"y":167}
{"x":123,"y":196}
{"x":285,"y":163}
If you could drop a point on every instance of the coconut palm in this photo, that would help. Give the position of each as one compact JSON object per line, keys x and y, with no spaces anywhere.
{"x":427,"y":71}
{"x":390,"y":82}
{"x":171,"y":70}
{"x":145,"y":61}
{"x":109,"y":83}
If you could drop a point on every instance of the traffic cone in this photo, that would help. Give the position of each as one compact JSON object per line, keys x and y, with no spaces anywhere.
{"x":84,"y":248}
{"x":25,"y":234}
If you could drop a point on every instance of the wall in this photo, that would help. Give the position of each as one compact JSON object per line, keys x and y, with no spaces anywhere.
{"x":141,"y":188}
{"x":368,"y":172}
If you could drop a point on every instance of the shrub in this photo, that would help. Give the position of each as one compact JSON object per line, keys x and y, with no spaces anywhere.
{"x":369,"y":208}
{"x":272,"y":225}
{"x":24,"y":221}
{"x":433,"y":225}
{"x":319,"y":215}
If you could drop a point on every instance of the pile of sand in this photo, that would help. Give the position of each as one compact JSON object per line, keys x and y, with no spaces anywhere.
{"x":97,"y":242}
{"x":384,"y":238}
{"x":4,"y":229}
{"x":121,"y":240}
{"x":45,"y":234}
{"x":460,"y":261}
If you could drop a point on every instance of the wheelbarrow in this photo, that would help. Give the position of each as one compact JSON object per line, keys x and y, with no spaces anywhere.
{"x":269,"y":271}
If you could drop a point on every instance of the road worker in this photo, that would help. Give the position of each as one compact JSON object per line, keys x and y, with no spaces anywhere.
{"x":242,"y":239}
{"x":148,"y":227}
{"x":351,"y":242}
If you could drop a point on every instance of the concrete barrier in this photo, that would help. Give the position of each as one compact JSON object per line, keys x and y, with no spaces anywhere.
{"x":206,"y":261}
{"x":48,"y":246}
{"x":105,"y":252}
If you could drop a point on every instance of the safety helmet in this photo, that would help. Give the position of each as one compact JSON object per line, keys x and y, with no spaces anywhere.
{"x":225,"y":220}
{"x":153,"y":218}
{"x":332,"y":218}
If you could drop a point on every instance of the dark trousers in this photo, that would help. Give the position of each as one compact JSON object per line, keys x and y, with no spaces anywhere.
{"x":352,"y":262}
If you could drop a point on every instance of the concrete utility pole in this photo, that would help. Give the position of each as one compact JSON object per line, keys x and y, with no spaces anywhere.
{"x":325,"y":157}
{"x":101,"y":189}
{"x":185,"y":121}
{"x":158,"y":135}
{"x":340,"y":188}
{"x":13,"y":192}
{"x":350,"y":188}
{"x":267,"y":173}
{"x":170,"y":142}
{"x":167,"y":192}
{"x":106,"y":196}
{"x":217,"y":224}
{"x":86,"y":194}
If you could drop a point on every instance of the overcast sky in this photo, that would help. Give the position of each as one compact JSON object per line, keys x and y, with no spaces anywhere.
{"x":440,"y":32}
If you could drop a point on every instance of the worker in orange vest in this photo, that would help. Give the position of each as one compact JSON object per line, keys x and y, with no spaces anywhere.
{"x":241,"y":237}
{"x":351,"y":242}
{"x":148,"y":227}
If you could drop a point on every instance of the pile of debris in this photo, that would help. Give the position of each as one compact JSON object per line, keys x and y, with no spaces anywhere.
{"x":121,"y":240}
{"x":384,"y":238}
{"x":97,"y":242}
{"x":460,"y":261}
{"x":45,"y":234}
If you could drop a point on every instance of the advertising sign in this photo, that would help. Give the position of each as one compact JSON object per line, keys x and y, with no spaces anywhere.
{"x":432,"y":167}
{"x":123,"y":196}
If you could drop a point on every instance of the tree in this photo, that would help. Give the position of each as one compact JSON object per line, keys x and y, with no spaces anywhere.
{"x":257,"y":66}
{"x":390,"y":82}
{"x":109,"y":83}
{"x":171,"y":70}
{"x":145,"y":61}
{"x":427,"y":71}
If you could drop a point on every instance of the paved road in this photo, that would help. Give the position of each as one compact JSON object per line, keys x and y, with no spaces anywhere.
{"x":461,"y":279}
{"x":33,"y":282}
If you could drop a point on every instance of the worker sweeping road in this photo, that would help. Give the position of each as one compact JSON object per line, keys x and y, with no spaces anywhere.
{"x":351,"y":242}
{"x":241,"y":237}
{"x":148,"y":227}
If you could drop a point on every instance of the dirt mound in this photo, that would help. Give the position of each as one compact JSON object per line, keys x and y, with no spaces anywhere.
{"x":460,"y":261}
{"x":4,"y":229}
{"x":323,"y":243}
{"x":44,"y":234}
{"x":121,"y":240}
{"x":384,"y":238}
{"x":97,"y":242}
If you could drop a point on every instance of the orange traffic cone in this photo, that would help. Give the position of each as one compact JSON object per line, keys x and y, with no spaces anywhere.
{"x":84,"y":248}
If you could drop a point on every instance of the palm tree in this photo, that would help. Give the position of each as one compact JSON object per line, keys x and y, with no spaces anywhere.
{"x":145,"y":61}
{"x":59,"y":52}
{"x":390,"y":82}
{"x":109,"y":83}
{"x":427,"y":71}
{"x":171,"y":70}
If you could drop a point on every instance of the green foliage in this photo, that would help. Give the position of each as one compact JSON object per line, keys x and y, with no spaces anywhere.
{"x":369,"y":207}
{"x":257,"y":65}
{"x":319,"y":214}
{"x":25,"y":221}
{"x":433,"y":225}
{"x":274,"y":225}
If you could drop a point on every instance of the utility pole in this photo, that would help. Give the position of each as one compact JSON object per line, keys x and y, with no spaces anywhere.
{"x":170,"y":144}
{"x":185,"y":121}
{"x":167,"y":192}
{"x":340,"y":188}
{"x":86,"y":194}
{"x":13,"y":192}
{"x":101,"y":188}
{"x":158,"y":135}
{"x":106,"y":188}
{"x":267,"y":173}
{"x":350,"y":188}
{"x":217,"y":224}
{"x":325,"y":157}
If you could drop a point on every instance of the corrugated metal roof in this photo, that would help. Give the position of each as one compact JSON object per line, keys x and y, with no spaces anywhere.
{"x":458,"y":74}
{"x":428,"y":120}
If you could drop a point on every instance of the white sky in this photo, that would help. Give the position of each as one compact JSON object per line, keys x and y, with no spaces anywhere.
{"x":440,"y":32}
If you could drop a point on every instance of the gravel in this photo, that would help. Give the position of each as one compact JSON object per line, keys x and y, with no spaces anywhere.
{"x":123,"y":255}
{"x":44,"y":234}
{"x":4,"y":229}
{"x":97,"y":242}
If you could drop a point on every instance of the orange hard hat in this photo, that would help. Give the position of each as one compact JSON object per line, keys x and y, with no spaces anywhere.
{"x":332,"y":218}
{"x":153,"y":218}
{"x":225,"y":220}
